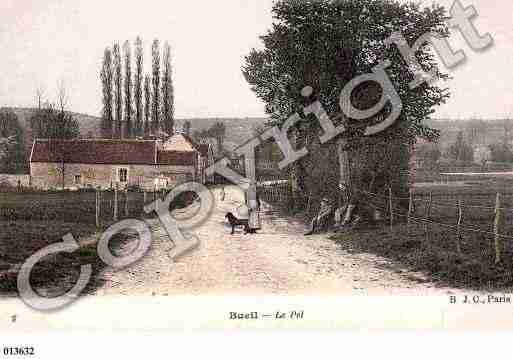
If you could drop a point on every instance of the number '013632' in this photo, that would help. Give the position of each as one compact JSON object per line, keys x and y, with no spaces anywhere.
{"x":18,"y":351}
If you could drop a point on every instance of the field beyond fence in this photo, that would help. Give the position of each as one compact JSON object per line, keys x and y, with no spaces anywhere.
{"x":70,"y":206}
{"x":31,"y":221}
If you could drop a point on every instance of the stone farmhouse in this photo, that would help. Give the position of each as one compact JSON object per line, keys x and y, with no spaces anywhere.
{"x":109,"y":163}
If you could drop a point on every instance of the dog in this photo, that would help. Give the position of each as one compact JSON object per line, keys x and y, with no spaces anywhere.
{"x":234,"y":222}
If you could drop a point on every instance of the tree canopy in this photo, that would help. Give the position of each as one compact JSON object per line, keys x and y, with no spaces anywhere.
{"x":216,"y":131}
{"x":460,"y":150}
{"x":12,"y":149}
{"x":53,"y":124}
{"x":324,"y":44}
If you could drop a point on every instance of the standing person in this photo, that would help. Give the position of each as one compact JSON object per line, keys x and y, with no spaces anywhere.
{"x":342,"y":205}
{"x":253,"y":203}
{"x":223,"y":194}
{"x":322,"y":217}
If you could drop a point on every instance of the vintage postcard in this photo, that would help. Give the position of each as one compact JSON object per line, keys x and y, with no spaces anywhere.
{"x":271,"y":164}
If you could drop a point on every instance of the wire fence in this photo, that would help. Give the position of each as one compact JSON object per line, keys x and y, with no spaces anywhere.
{"x":468,"y":211}
{"x":99,"y":207}
{"x":275,"y":190}
{"x":492,"y":222}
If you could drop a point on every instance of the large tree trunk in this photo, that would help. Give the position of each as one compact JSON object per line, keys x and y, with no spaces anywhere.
{"x":345,"y":183}
{"x":344,"y":163}
{"x":343,"y":155}
{"x":345,"y":171}
{"x":296,"y":174}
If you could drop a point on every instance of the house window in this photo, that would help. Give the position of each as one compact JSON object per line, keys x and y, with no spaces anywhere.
{"x":78,"y":179}
{"x":123,"y":175}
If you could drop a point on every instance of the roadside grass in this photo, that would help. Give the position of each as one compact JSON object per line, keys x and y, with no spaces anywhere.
{"x":21,"y":239}
{"x":30,"y":221}
{"x":435,"y":255}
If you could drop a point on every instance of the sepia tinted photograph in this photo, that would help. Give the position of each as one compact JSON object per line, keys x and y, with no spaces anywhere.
{"x":242,"y":164}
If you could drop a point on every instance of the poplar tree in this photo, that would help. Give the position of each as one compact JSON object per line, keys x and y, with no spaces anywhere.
{"x":138,"y":84}
{"x":147,"y":105}
{"x":167,"y":92}
{"x":128,"y":89}
{"x":118,"y":91}
{"x":106,"y":77}
{"x":155,"y":105}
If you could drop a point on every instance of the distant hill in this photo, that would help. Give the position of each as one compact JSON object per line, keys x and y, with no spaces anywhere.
{"x":89,"y":125}
{"x":238,"y":130}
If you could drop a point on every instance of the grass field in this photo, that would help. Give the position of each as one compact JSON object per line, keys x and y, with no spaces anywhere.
{"x":477,"y":200}
{"x":21,"y":239}
{"x":432,"y":248}
{"x":32,"y":221}
{"x":435,"y":255}
{"x":67,"y":207}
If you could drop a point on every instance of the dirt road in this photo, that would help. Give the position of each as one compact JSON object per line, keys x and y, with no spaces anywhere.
{"x":279,"y":260}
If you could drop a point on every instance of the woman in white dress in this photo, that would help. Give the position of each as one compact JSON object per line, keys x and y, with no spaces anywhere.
{"x":253,"y":204}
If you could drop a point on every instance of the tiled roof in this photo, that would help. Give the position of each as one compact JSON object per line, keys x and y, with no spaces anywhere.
{"x":176,"y":158}
{"x":95,"y":151}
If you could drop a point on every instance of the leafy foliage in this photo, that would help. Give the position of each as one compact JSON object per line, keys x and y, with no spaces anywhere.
{"x":136,"y":104}
{"x":49,"y":123}
{"x":127,"y":54}
{"x":460,"y":150}
{"x":12,"y":154}
{"x":118,"y":90}
{"x":156,"y":100}
{"x":428,"y":152}
{"x":138,"y":86}
{"x":187,"y":128}
{"x":217,"y":131}
{"x":476,"y":130}
{"x":167,"y":92}
{"x":106,"y":76}
{"x":147,"y":104}
{"x":501,"y":152}
{"x":316,"y":43}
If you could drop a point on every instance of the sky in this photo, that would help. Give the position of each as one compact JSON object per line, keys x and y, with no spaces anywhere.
{"x":43,"y":42}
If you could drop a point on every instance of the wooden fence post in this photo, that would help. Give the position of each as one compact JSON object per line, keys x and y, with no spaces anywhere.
{"x":458,"y":231}
{"x":496,"y":229}
{"x":97,"y":209}
{"x":100,"y":200}
{"x":428,"y":213}
{"x":390,"y":203}
{"x":126,"y":202}
{"x":116,"y":203}
{"x":223,"y":194}
{"x":410,"y":211}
